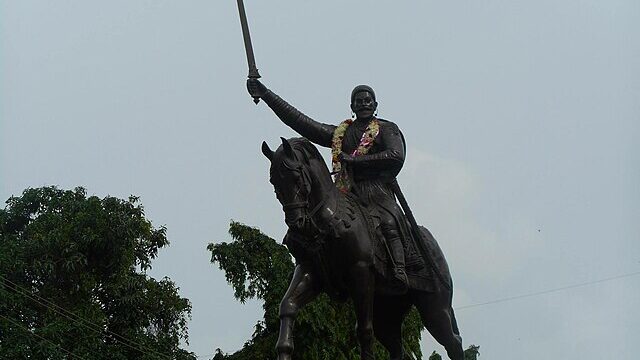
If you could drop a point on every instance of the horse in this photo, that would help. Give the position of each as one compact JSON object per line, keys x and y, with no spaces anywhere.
{"x":317,"y":212}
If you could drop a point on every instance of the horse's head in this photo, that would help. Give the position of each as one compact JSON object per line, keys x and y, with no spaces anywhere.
{"x":290,"y":176}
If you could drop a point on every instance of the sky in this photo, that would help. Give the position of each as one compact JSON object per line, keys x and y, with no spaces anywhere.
{"x":522,"y":121}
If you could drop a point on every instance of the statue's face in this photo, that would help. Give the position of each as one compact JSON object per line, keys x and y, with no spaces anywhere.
{"x":364,"y":106}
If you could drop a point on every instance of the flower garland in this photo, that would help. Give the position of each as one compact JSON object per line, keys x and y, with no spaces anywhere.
{"x":366,"y":141}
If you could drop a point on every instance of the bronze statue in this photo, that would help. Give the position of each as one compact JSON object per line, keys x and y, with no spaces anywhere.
{"x":348,"y":235}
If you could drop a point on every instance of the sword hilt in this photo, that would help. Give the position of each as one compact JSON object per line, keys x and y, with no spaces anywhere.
{"x":253,"y":74}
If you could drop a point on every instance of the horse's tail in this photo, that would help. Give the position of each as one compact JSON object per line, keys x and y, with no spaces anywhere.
{"x":454,"y":322}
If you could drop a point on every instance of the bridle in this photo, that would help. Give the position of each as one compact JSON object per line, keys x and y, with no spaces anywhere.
{"x":305,"y":183}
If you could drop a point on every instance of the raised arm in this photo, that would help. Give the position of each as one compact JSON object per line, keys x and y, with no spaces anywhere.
{"x":316,"y":132}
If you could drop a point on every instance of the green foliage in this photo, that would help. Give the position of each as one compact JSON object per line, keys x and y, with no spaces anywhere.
{"x":72,"y":277}
{"x":258,"y":267}
{"x":472,"y":353}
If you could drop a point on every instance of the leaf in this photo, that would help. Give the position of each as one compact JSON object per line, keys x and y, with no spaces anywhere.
{"x":256,"y":266}
{"x":68,"y":274}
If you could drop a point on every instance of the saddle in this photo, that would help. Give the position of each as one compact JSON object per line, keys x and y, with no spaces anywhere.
{"x":421,"y":273}
{"x":319,"y":253}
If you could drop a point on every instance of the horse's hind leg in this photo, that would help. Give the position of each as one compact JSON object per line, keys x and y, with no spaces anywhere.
{"x":362,"y":294}
{"x":437,"y":316}
{"x":302,"y":290}
{"x":388,"y":314}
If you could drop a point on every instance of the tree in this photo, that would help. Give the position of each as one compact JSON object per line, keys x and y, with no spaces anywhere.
{"x":257,"y":266}
{"x":471,"y":353}
{"x":73,"y":281}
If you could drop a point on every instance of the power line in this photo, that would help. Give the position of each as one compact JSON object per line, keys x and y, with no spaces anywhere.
{"x":18,"y":324}
{"x":53,"y":306}
{"x":531,"y":294}
{"x":548,"y":291}
{"x":77,"y":319}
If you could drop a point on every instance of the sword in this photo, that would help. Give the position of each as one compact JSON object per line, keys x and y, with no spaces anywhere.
{"x":251,"y":60}
{"x":417,"y":238}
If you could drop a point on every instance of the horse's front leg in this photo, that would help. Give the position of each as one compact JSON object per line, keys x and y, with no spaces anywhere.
{"x":302,"y":290}
{"x":363,"y":286}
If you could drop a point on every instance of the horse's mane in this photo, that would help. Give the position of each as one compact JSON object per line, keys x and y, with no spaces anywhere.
{"x":308,"y":150}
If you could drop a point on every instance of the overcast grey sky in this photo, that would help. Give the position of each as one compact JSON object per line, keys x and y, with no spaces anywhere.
{"x":521,"y":118}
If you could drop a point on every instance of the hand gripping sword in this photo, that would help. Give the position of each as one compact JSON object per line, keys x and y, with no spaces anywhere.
{"x":253,"y":70}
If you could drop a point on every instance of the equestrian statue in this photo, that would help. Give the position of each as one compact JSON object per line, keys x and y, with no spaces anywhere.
{"x":346,"y":231}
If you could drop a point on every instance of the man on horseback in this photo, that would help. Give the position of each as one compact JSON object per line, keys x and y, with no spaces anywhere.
{"x":367,"y":155}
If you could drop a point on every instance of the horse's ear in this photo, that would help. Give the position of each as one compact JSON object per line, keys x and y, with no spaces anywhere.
{"x":267,"y":151}
{"x":288,"y":150}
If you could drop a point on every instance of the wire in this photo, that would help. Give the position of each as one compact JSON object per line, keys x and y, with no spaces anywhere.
{"x":77,"y":319}
{"x":26,"y":293}
{"x":547,"y":291}
{"x":532,"y":294}
{"x":18,"y":324}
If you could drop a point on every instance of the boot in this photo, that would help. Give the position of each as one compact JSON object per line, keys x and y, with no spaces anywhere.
{"x":399,"y":274}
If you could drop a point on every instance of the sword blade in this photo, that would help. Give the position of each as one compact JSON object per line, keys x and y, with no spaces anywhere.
{"x":253,"y":70}
{"x":417,"y":239}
